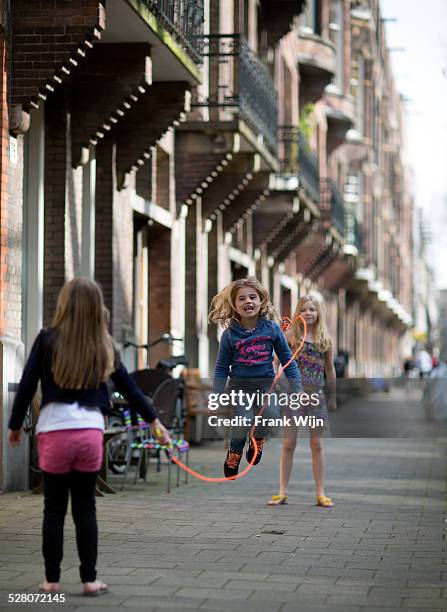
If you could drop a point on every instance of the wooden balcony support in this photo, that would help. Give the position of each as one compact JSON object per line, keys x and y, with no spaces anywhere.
{"x":162,"y":106}
{"x":104,"y":88}
{"x":235,"y":177}
{"x":247,"y":201}
{"x":200,"y":157}
{"x":50,"y":38}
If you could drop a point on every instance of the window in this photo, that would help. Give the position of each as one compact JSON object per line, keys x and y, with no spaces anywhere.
{"x":358,"y":91}
{"x":353,"y":193}
{"x":310,"y":20}
{"x":336,"y":27}
{"x":353,"y":208}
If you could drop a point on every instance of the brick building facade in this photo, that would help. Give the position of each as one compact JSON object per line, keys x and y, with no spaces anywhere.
{"x":168,"y":148}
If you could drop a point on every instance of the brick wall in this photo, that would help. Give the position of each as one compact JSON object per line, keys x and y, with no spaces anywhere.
{"x":14,"y":223}
{"x":55,"y":205}
{"x":159,"y":288}
{"x":12,"y":474}
{"x":49,"y":33}
{"x":11,"y":197}
{"x":73,"y":212}
{"x":105,"y":190}
{"x":114,"y":239}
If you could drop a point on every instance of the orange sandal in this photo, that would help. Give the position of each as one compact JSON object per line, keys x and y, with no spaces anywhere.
{"x":325,"y":502}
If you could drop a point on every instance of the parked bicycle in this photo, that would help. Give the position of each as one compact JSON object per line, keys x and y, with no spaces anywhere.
{"x":153,"y":383}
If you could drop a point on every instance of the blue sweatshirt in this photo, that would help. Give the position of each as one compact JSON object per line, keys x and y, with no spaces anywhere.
{"x":247,"y":353}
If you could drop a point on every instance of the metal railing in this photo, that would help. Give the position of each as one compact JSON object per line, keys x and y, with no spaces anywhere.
{"x":358,"y":235}
{"x":353,"y":229}
{"x":297,"y":158}
{"x":337,"y":210}
{"x":184,"y":20}
{"x":332,"y":205}
{"x":288,"y":149}
{"x":239,"y":83}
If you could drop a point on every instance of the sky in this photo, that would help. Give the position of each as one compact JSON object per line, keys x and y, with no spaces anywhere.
{"x":421,"y":76}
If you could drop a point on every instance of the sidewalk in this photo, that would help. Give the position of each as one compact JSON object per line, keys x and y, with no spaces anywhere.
{"x":218,"y":547}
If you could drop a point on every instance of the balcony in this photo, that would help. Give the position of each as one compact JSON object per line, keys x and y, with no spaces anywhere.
{"x":298,"y":160}
{"x":277,"y":17}
{"x":353,"y":234}
{"x":173,"y":29}
{"x":332,"y":205}
{"x":317,"y":64}
{"x":184,"y":20}
{"x":240,"y":87}
{"x":340,"y":114}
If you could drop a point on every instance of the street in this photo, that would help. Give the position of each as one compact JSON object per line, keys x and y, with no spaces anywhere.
{"x":219,"y":547}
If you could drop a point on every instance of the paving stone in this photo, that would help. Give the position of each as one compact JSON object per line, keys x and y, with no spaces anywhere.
{"x":264,"y":598}
{"x":239,"y":605}
{"x":181,"y":603}
{"x":339,"y":572}
{"x":260,"y":586}
{"x":319,"y":608}
{"x":208,"y":593}
{"x":423,"y":604}
{"x":200,"y":582}
{"x":233,"y":575}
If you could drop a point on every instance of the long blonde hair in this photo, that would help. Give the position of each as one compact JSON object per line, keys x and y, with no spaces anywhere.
{"x":83,"y":352}
{"x":223,"y":305}
{"x":322,"y":338}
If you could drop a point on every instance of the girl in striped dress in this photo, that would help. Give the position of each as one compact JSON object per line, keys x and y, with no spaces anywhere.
{"x":314,"y":361}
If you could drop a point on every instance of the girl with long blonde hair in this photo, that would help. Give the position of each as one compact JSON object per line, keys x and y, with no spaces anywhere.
{"x":73,"y":359}
{"x":245,"y":356}
{"x":315,"y":360}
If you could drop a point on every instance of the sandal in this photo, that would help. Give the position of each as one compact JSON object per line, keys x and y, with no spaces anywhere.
{"x":102,"y":589}
{"x":325,"y":502}
{"x":277,"y":500}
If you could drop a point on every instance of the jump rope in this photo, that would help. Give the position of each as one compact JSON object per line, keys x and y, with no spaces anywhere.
{"x":287,"y":323}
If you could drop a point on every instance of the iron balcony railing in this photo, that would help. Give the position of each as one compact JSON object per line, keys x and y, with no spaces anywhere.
{"x":337,"y":210}
{"x":358,"y":235}
{"x":240,"y":84}
{"x":297,"y":158}
{"x":332,"y":204}
{"x":184,"y":20}
{"x":353,"y":230}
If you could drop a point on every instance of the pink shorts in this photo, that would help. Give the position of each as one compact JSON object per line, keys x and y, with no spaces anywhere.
{"x":70,"y":449}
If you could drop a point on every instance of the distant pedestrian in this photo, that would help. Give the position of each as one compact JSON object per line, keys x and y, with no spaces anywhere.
{"x":314,"y":361}
{"x":72,"y":359}
{"x":424,"y":363}
{"x":245,"y":356}
{"x":341,"y":362}
{"x":408,"y":366}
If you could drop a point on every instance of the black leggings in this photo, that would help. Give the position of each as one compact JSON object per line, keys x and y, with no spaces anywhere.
{"x":56,"y":488}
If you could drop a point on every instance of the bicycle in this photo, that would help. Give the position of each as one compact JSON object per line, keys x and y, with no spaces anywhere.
{"x":148,"y":379}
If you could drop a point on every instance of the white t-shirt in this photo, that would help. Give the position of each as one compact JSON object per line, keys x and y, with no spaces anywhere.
{"x":56,"y":416}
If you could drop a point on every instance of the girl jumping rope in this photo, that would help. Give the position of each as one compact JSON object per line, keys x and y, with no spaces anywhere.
{"x":314,"y":360}
{"x":72,"y":360}
{"x":245,"y":355}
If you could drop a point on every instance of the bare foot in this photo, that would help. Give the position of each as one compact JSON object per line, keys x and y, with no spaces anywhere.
{"x":96,"y":588}
{"x":49,"y":587}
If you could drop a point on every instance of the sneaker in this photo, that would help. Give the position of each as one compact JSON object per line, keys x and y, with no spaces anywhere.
{"x":251,"y":450}
{"x":231,"y":465}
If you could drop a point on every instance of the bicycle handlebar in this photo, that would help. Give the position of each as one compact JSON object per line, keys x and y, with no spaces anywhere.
{"x":164,"y":338}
